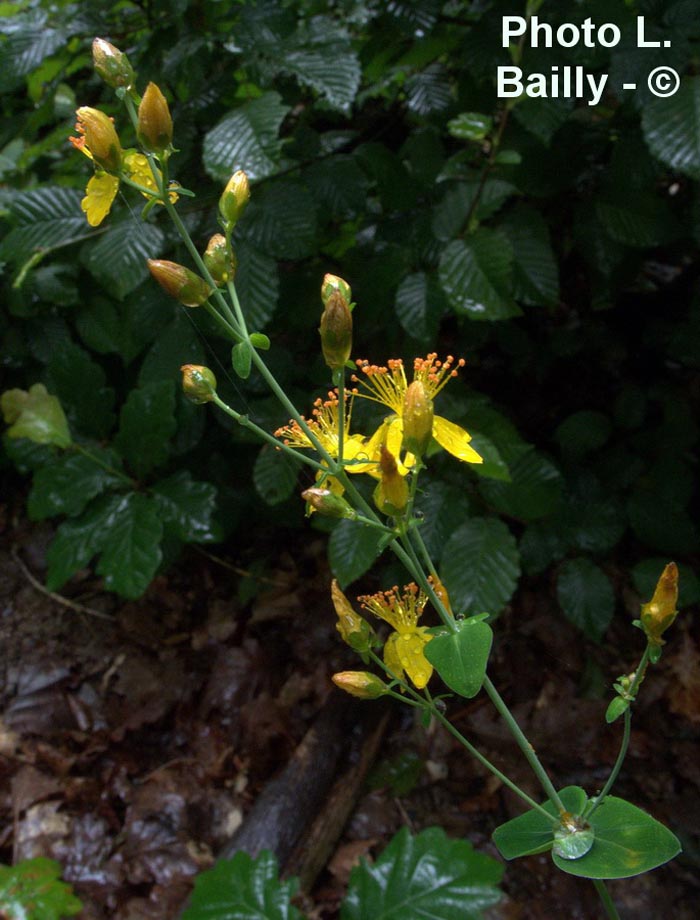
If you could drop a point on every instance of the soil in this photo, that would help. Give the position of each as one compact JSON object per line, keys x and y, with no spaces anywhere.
{"x":136,"y":738}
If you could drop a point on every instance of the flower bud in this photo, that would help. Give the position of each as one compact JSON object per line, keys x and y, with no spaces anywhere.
{"x":362,"y":684}
{"x":100,"y":138}
{"x":112,"y":64}
{"x":328,"y":503}
{"x":417,"y":419}
{"x":180,"y":282}
{"x":441,"y":593}
{"x":336,"y":331}
{"x":332,"y":283}
{"x":234,"y":198}
{"x":220,"y":260}
{"x":661,"y":611}
{"x":391,"y":494}
{"x":155,"y":124}
{"x":354,"y":631}
{"x":198,"y":383}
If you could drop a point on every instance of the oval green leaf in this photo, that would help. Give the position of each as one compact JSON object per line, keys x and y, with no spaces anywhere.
{"x":531,"y":832}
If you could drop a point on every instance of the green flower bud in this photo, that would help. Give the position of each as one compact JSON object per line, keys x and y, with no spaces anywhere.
{"x":336,"y":331}
{"x":180,"y":282}
{"x":362,"y":684}
{"x":100,"y":138}
{"x":332,"y":283}
{"x":234,"y":198}
{"x":220,"y":261}
{"x":112,"y":64}
{"x":198,"y":383}
{"x":155,"y":124}
{"x":328,"y":503}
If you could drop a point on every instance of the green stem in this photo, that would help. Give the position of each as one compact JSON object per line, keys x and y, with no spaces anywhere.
{"x":339,"y":381}
{"x":429,"y":705}
{"x":245,"y":422}
{"x":238,"y":310}
{"x":524,"y":745}
{"x":608,"y":902}
{"x":617,"y":767}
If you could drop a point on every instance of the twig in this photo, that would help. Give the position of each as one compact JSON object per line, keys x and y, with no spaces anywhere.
{"x":57,"y":598}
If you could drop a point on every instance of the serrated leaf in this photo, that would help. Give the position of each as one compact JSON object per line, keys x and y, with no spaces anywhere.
{"x":419,"y":306}
{"x":247,"y":139}
{"x":118,"y":258}
{"x":77,"y":540}
{"x":186,"y":506}
{"x":535,"y":272}
{"x":176,"y":344}
{"x":69,"y":482}
{"x":35,"y":414}
{"x":636,"y":218}
{"x":352,"y":550}
{"x":460,"y":657}
{"x":338,"y":186}
{"x":534,"y":490}
{"x":494,"y":466}
{"x":242,"y":888}
{"x":46,"y":217}
{"x":480,"y":566}
{"x":275,"y":475}
{"x":476,"y":276}
{"x":426,"y":876}
{"x":429,"y":91}
{"x":586,"y":596}
{"x":23,"y":52}
{"x":80,"y":384}
{"x":542,"y":117}
{"x":451,"y":212}
{"x":257,"y":284}
{"x":127,"y":328}
{"x":531,"y":832}
{"x":672,"y":128}
{"x":332,"y":71}
{"x":33,"y":890}
{"x":131,"y":546}
{"x":281,"y":220}
{"x":146,"y":423}
{"x":627,"y":842}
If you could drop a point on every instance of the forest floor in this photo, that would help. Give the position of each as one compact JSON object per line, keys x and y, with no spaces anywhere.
{"x":136,"y":737}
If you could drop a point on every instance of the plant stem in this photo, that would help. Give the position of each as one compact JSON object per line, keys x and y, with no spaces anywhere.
{"x":524,"y":745}
{"x":105,"y":466}
{"x":604,"y":896}
{"x":617,"y":767}
{"x":264,"y":435}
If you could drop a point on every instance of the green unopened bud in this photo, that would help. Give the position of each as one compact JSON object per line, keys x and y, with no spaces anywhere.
{"x":333,"y":283}
{"x":198,"y":383}
{"x":112,"y":64}
{"x":155,"y":124}
{"x":220,"y":260}
{"x":391,"y":494}
{"x":660,"y":612}
{"x":234,"y":198}
{"x":180,"y":282}
{"x":336,"y":331}
{"x":417,"y":419}
{"x":101,"y":138}
{"x":328,"y":503}
{"x":362,"y":684}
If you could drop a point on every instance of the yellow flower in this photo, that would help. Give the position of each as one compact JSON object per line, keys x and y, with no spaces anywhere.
{"x":388,"y":386}
{"x":325,"y":424}
{"x":404,"y":649}
{"x":661,"y":611}
{"x":102,"y":188}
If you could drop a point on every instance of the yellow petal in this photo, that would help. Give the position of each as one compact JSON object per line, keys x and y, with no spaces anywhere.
{"x":391,"y":656}
{"x":100,"y":193}
{"x":355,"y":449}
{"x":139,"y":170}
{"x":389,"y":433}
{"x":409,"y":649}
{"x":455,"y":440}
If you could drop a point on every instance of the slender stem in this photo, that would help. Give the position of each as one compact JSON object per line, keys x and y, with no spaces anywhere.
{"x":607,"y":901}
{"x":238,"y":310}
{"x":617,"y":767}
{"x":428,"y":704}
{"x":417,"y":538}
{"x":264,"y":435}
{"x":524,"y":745}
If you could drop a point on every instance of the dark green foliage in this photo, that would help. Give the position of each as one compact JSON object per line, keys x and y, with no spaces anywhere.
{"x":553,"y":244}
{"x":32,"y":889}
